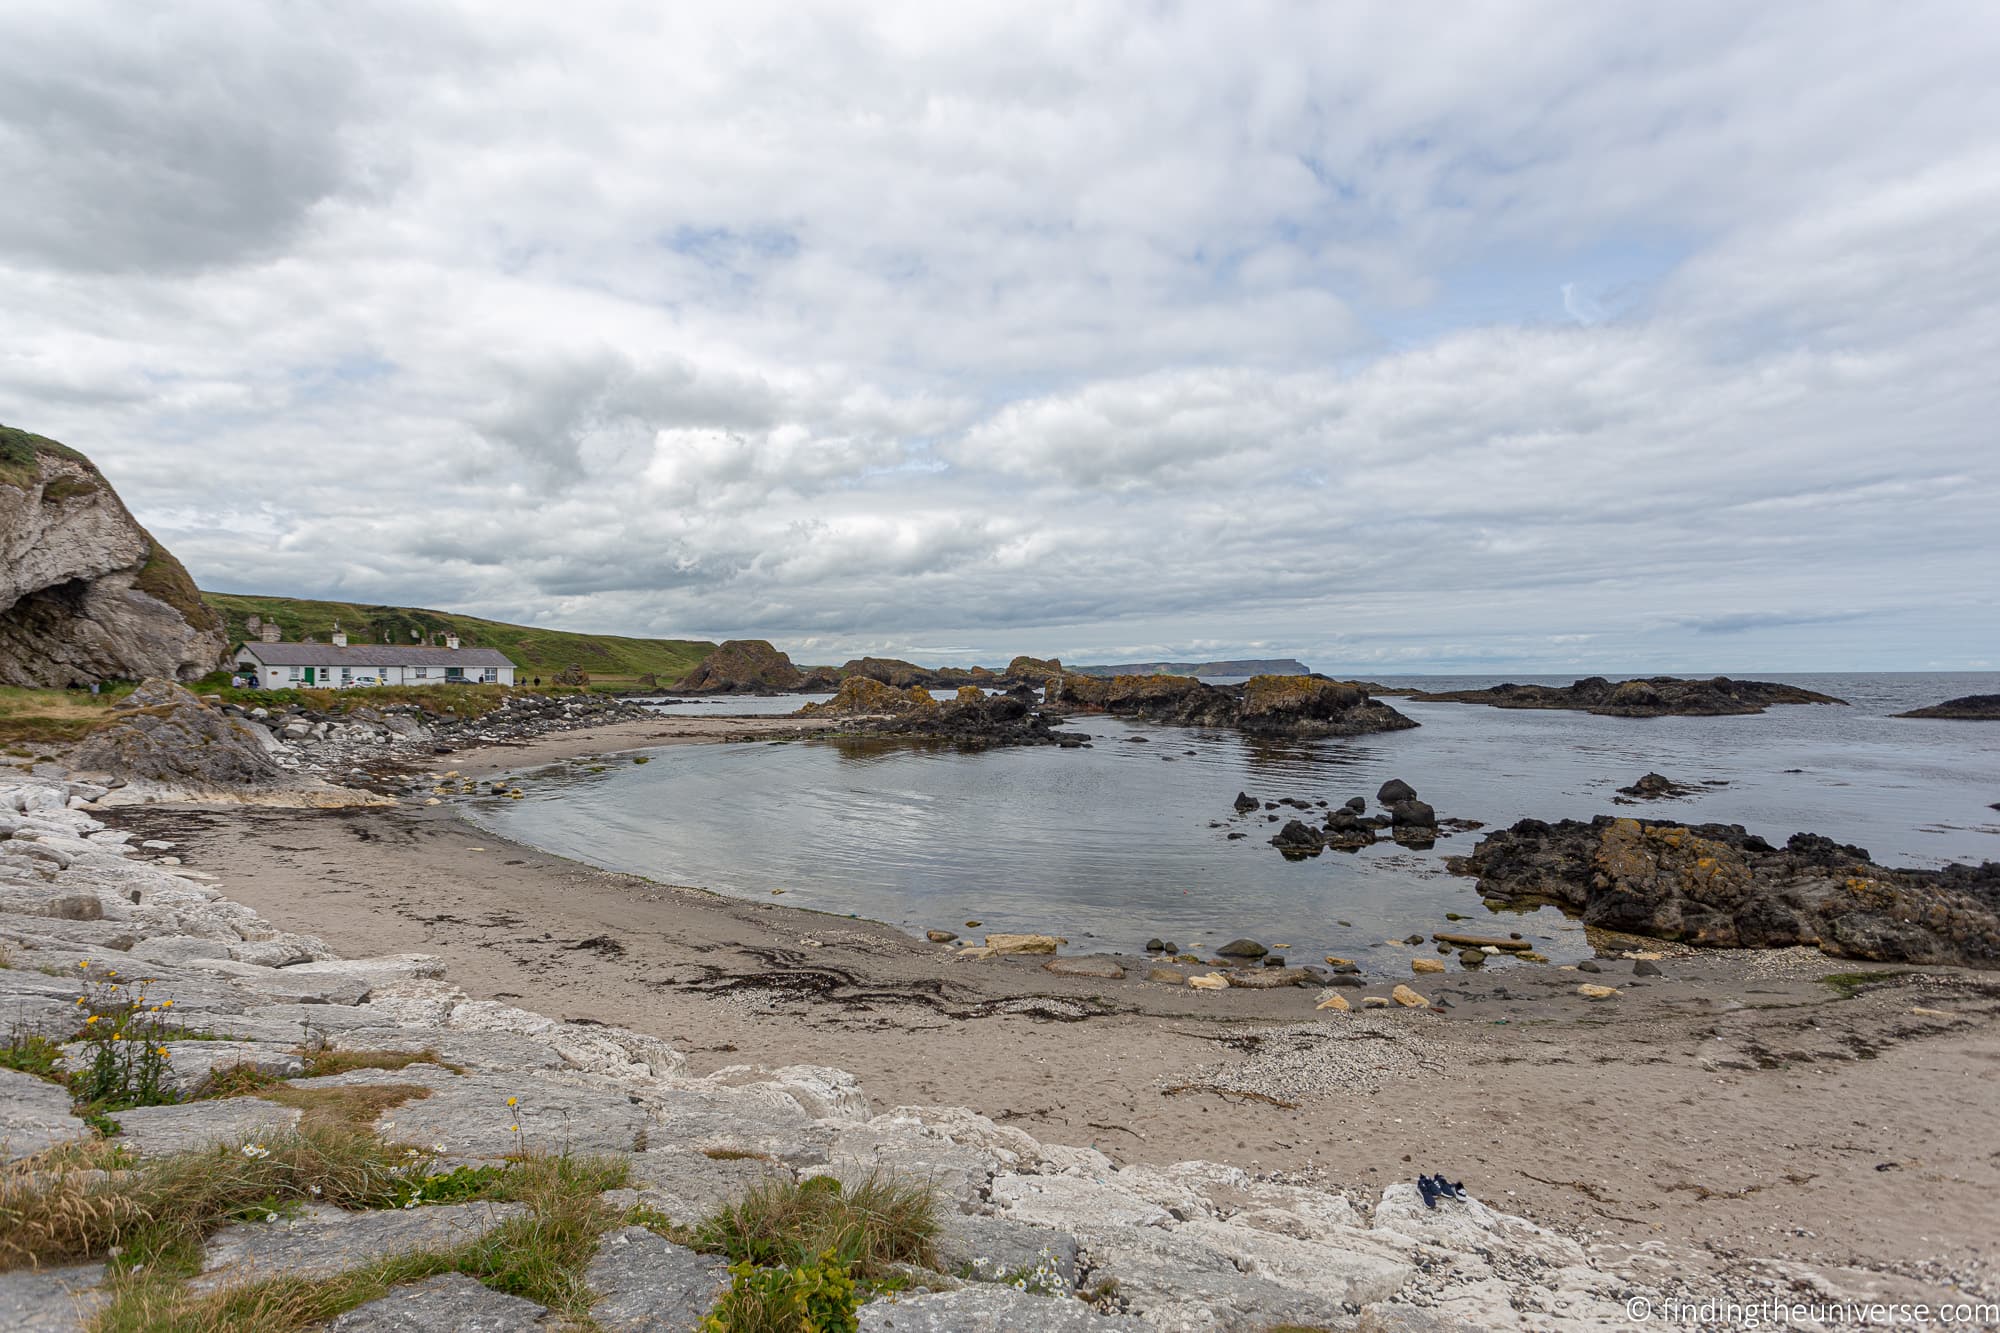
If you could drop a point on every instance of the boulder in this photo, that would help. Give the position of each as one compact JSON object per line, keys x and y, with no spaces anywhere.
{"x":162,"y":733}
{"x":1106,"y":969}
{"x":1393,"y":791}
{"x":86,"y":593}
{"x":1412,"y":813}
{"x":1024,"y":943}
{"x":1297,"y":836}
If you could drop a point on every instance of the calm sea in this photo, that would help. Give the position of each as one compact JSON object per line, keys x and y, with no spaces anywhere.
{"x":1125,"y":840}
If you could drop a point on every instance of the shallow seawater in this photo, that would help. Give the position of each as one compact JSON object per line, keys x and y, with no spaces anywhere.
{"x":1129,"y":838}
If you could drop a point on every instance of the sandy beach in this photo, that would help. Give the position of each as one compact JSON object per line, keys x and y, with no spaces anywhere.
{"x":1737,"y":1106}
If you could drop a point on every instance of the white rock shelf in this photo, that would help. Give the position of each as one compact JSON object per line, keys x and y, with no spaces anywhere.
{"x":1193,"y":1246}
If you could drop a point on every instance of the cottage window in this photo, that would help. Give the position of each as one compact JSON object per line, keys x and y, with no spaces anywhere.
{"x":295,"y":673}
{"x":490,"y":674}
{"x":423,"y":673}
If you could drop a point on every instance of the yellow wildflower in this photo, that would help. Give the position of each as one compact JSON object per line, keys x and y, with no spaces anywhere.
{"x":88,"y":1021}
{"x":513,"y":1101}
{"x":166,"y":1004}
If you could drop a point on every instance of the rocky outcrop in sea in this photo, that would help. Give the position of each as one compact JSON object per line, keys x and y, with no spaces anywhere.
{"x":1277,"y":706}
{"x":1653,"y":696}
{"x":86,"y":594}
{"x":1966,"y":708}
{"x":1030,"y":1234}
{"x":1720,"y":886}
{"x":971,"y":718}
{"x":753,"y":666}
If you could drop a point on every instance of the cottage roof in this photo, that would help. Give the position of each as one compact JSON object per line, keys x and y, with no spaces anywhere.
{"x":374,"y":655}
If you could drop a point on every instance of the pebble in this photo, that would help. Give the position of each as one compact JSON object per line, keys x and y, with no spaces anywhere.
{"x":1590,"y":992}
{"x":1408,"y":998}
{"x":1426,"y":965}
{"x":1334,"y":1000}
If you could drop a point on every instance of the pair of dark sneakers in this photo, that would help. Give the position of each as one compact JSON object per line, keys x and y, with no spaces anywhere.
{"x":1437,"y":1187}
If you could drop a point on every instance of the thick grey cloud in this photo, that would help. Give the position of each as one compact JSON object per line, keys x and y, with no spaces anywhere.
{"x":1535,"y":336}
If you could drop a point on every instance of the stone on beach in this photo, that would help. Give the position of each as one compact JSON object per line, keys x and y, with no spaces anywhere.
{"x":1211,"y":981}
{"x":1242,"y":949}
{"x":1004,"y":944}
{"x":1099,"y":967}
{"x":1408,"y":998}
{"x":1589,"y":991}
{"x":1426,"y":965}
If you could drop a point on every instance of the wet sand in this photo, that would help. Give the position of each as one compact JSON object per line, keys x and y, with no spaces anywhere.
{"x":1737,"y":1106}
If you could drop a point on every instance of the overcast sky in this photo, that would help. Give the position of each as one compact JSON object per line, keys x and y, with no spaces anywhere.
{"x":1395,"y":337}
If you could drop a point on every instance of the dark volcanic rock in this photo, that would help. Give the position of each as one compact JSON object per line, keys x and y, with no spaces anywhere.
{"x":1720,"y":886}
{"x":1245,"y":802}
{"x":1394,"y":790}
{"x":1653,"y":696}
{"x":1412,"y":813}
{"x":1275,"y":706}
{"x":1968,"y":708}
{"x":1243,"y":949}
{"x":1298,"y":836}
{"x":1656,"y":787}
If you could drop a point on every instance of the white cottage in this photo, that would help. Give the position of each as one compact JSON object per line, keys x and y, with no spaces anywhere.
{"x":336,"y":665}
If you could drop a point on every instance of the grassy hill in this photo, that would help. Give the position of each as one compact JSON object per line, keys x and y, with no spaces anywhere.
{"x":609,"y":659}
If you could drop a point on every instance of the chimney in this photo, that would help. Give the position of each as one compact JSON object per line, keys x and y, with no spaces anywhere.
{"x":269,"y":632}
{"x":451,"y":642}
{"x":339,"y":635}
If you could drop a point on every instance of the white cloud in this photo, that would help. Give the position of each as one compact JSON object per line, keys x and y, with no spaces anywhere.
{"x":1029,"y":329}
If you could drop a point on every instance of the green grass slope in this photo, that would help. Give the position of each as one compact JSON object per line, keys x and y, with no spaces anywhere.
{"x":608,"y":658}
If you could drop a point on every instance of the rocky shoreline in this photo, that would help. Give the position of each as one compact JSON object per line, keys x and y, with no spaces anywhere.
{"x":1193,"y":1245}
{"x":1141,"y":1066}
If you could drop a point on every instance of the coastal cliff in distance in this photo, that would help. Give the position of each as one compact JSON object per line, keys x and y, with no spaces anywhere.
{"x":1255,"y":666}
{"x":86,"y":594}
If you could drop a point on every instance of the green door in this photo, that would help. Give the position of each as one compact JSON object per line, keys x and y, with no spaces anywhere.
{"x":309,"y":675}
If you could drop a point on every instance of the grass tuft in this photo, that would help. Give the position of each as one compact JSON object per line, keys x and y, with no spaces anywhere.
{"x":867,"y":1226}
